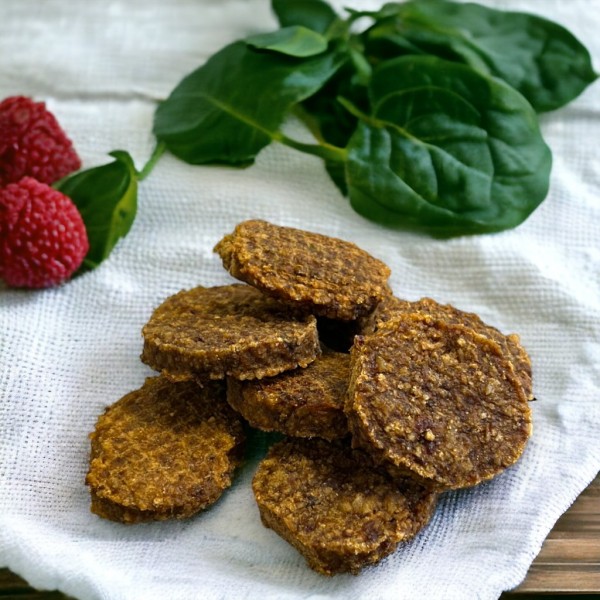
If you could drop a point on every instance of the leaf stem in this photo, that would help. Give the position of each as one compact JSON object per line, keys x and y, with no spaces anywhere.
{"x":154,"y":158}
{"x":355,"y":111}
{"x":325,"y":151}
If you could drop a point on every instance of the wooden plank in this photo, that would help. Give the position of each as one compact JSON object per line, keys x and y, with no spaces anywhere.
{"x":569,"y":561}
{"x":570,"y":550}
{"x":571,"y":578}
{"x":587,"y":504}
{"x":579,"y":523}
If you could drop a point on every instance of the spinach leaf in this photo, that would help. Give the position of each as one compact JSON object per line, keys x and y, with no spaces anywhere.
{"x":427,"y":119}
{"x":326,"y":117}
{"x":330,"y":122}
{"x":230,"y":108}
{"x":106,"y":197}
{"x":293,"y":41}
{"x":313,"y":14}
{"x":446,"y":149}
{"x":538,"y":57}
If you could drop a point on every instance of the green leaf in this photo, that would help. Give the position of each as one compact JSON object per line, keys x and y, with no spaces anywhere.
{"x":293,"y":41}
{"x":327,"y":118}
{"x":312,"y":14}
{"x":106,"y":197}
{"x":538,"y":57}
{"x":386,"y":11}
{"x":230,"y":108}
{"x":337,"y":172}
{"x":446,"y":149}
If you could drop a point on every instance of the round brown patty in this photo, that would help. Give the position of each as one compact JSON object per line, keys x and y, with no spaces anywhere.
{"x":391,"y":307}
{"x":208,"y":333}
{"x":303,"y":402}
{"x":437,"y":401}
{"x":334,"y":506}
{"x":324,"y":275}
{"x":165,"y":450}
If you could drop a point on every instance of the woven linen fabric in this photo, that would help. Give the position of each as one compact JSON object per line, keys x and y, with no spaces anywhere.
{"x":67,"y":353}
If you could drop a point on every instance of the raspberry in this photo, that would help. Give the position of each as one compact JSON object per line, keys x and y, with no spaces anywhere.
{"x":42,"y":236}
{"x":33,"y":143}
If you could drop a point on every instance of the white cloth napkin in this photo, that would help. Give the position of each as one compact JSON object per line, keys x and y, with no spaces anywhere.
{"x":67,"y":353}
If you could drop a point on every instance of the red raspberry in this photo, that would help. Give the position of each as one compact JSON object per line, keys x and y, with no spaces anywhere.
{"x":33,"y":143}
{"x":42,"y":236}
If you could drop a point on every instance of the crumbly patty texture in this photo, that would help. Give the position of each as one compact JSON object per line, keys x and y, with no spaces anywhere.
{"x":326,"y":276}
{"x":391,"y":307}
{"x":382,"y":403}
{"x":236,"y":330}
{"x":166,"y":450}
{"x":334,"y":506}
{"x":303,"y":402}
{"x":437,"y":401}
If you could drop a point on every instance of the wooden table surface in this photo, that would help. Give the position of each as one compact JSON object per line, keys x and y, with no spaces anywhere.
{"x":569,"y":562}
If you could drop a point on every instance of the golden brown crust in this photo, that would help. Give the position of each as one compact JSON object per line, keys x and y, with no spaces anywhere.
{"x":303,"y":402}
{"x":209,"y":333}
{"x":437,"y":400}
{"x":323,"y":275}
{"x":390,"y":307}
{"x":334,"y":506}
{"x":166,"y":450}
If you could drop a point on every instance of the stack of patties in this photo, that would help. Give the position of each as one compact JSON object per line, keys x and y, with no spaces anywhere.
{"x":383,"y":403}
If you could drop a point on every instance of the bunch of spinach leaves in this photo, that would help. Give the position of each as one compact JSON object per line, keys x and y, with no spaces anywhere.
{"x":424,"y":112}
{"x":425,"y":117}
